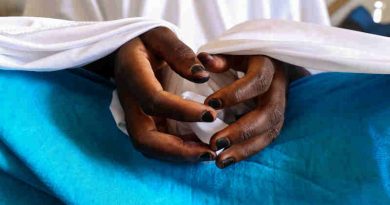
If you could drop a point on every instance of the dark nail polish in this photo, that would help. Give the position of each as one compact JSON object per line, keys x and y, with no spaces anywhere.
{"x":222,"y":143}
{"x":206,"y":157}
{"x":205,"y":58}
{"x":227,"y":162}
{"x":215,"y":103}
{"x":207,"y":117}
{"x":201,"y":80}
{"x":197,"y":68}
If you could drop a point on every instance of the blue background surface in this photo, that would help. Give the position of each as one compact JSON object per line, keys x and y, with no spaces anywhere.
{"x":59,"y":144}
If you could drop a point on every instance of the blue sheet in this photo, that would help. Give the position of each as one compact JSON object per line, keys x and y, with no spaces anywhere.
{"x":59,"y":144}
{"x":363,"y":18}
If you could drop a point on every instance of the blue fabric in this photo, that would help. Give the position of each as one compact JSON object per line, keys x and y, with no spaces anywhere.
{"x":60,"y":143}
{"x":363,"y":18}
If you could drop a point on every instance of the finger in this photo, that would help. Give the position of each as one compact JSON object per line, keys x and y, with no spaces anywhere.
{"x":165,"y":44}
{"x":246,"y":149}
{"x":162,"y":126}
{"x":221,"y":63}
{"x":191,"y":137}
{"x":153,"y":143}
{"x":134,"y":72}
{"x":256,"y":82}
{"x":250,"y":125}
{"x":168,"y":105}
{"x":172,"y":148}
{"x":269,"y":112}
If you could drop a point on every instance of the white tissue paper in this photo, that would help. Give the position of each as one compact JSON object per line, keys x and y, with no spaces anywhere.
{"x":42,"y":44}
{"x":203,"y":130}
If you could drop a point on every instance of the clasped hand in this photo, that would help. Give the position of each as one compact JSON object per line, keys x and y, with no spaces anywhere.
{"x":138,"y":67}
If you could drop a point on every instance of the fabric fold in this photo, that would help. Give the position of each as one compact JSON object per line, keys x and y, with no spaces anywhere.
{"x":41,"y":44}
{"x":307,"y":45}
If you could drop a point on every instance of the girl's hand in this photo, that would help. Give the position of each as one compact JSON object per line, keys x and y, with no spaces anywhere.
{"x":265,"y":81}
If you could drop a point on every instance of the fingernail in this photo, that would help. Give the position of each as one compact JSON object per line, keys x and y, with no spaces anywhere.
{"x":197,"y":68}
{"x":222,"y":143}
{"x":201,"y":80}
{"x":202,"y":75}
{"x":227,"y":162}
{"x":206,"y":157}
{"x":215,"y":103}
{"x":205,"y":58}
{"x":207,"y":117}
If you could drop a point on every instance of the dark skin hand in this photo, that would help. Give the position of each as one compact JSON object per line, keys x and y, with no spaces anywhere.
{"x":147,"y":106}
{"x":265,"y":81}
{"x":138,"y":65}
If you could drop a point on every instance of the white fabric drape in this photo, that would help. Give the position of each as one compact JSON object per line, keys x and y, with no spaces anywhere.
{"x":41,"y":44}
{"x":47,"y":44}
{"x":199,"y":20}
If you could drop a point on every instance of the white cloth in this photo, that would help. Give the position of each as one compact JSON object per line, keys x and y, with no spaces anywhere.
{"x":199,"y":20}
{"x":307,"y":45}
{"x":41,"y":44}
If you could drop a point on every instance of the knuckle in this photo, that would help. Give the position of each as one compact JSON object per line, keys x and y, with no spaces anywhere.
{"x":276,"y":115}
{"x":245,"y":152}
{"x":183,"y":53}
{"x":238,"y":95}
{"x":269,"y":65}
{"x":264,"y":79}
{"x":262,"y":84}
{"x":245,"y":131}
{"x":273,"y":133}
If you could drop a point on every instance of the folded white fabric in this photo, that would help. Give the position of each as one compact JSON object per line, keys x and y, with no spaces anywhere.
{"x":44,"y":44}
{"x":41,"y":44}
{"x":307,"y":45}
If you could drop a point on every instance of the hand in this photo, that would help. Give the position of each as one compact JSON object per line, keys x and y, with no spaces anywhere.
{"x":265,"y":82}
{"x":147,"y":106}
